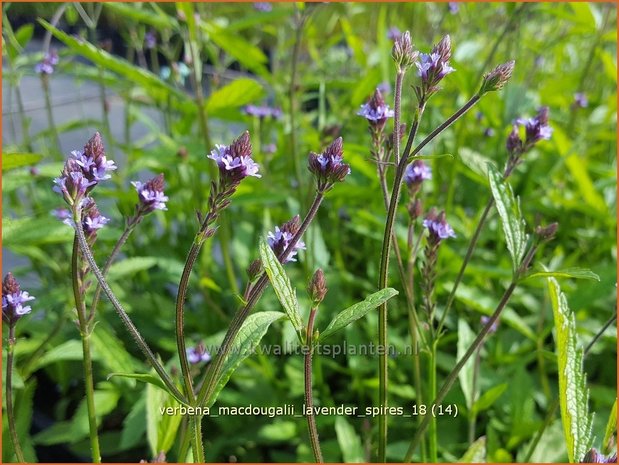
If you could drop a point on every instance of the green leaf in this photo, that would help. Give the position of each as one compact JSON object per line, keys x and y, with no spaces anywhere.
{"x":511,"y":218}
{"x":146,"y":378}
{"x":111,"y":352}
{"x":69,"y":350}
{"x":349,"y":441}
{"x":34,"y":231}
{"x":576,"y":273}
{"x":24,"y":34}
{"x":247,"y":54}
{"x":573,"y":392}
{"x":10,"y":161}
{"x":467,"y":374}
{"x":488,"y":398}
{"x":347,"y":316}
{"x":244,"y":344}
{"x":234,"y":95}
{"x":611,"y":430}
{"x":283,"y":289}
{"x":131,"y":266}
{"x":476,"y":453}
{"x":156,"y":88}
{"x":105,"y":401}
{"x":158,"y":20}
{"x":134,"y":425}
{"x":161,"y":428}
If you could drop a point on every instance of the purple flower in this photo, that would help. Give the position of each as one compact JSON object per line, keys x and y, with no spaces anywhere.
{"x":198,"y":354}
{"x":417,"y":172}
{"x":83,"y":170}
{"x":329,"y":167}
{"x":262,"y":111}
{"x":376,"y":111}
{"x":514,"y":143}
{"x":434,"y":66}
{"x":150,"y":195}
{"x":488,"y":132}
{"x":384,"y":87}
{"x":46,"y":65}
{"x":438,"y":227}
{"x":393,"y":33}
{"x":537,"y":128}
{"x":279,"y":240}
{"x":150,"y":40}
{"x":593,"y":456}
{"x":234,"y":160}
{"x":61,"y":213}
{"x":453,"y":7}
{"x":580,"y":100}
{"x":92,"y":219}
{"x":13,"y":300}
{"x":484,"y":321}
{"x":265,"y":7}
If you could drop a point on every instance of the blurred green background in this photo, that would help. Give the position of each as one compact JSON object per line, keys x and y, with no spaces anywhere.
{"x":341,"y":52}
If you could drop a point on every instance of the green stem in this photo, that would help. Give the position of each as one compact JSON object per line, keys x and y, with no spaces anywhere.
{"x":433,"y":440}
{"x":309,"y":396}
{"x":397,"y":104}
{"x":477,"y":343}
{"x":196,"y":439}
{"x":87,"y":361}
{"x":9,"y":396}
{"x":137,"y":337}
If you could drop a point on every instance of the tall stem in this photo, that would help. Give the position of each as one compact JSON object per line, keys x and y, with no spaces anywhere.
{"x":397,"y":105}
{"x":196,"y":439}
{"x":48,"y":110}
{"x":309,"y":396}
{"x":87,"y":360}
{"x":9,"y":396}
{"x":382,"y":284}
{"x":137,"y":337}
{"x":433,"y":440}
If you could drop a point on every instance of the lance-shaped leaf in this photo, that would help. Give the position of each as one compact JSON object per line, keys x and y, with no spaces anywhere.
{"x":573,"y":392}
{"x":347,"y":316}
{"x":244,"y":345}
{"x":511,"y":219}
{"x":283,"y":289}
{"x":476,"y":453}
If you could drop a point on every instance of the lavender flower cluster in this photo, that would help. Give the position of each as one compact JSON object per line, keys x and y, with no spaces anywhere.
{"x":13,"y":300}
{"x":47,"y":64}
{"x":280,"y":239}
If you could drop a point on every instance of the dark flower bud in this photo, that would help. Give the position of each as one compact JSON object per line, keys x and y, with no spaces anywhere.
{"x":94,"y":147}
{"x":317,"y":287}
{"x":241,"y":147}
{"x":548,"y":232}
{"x":443,"y":48}
{"x":403,"y":53}
{"x":497,"y":78}
{"x":254,"y":269}
{"x":328,"y":167}
{"x":415,"y":209}
{"x":514,"y":142}
{"x":234,"y":161}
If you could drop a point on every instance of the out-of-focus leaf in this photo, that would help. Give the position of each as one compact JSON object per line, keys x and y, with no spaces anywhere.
{"x":573,"y":392}
{"x":234,"y":95}
{"x":360,"y":309}
{"x":488,"y":398}
{"x":466,"y":375}
{"x":134,"y":425}
{"x":576,"y":273}
{"x":511,"y":218}
{"x":130,"y":266}
{"x":69,"y":350}
{"x":157,"y":88}
{"x":34,"y":231}
{"x":157,"y":19}
{"x":349,"y":441}
{"x":111,"y":352}
{"x":580,"y":174}
{"x":283,"y":289}
{"x":161,"y":428}
{"x":611,"y":430}
{"x":247,"y":339}
{"x":147,"y":378}
{"x":476,"y":453}
{"x":11,"y":161}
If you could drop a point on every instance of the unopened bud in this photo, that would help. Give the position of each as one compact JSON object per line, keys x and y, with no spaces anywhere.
{"x":317,"y":287}
{"x":547,"y":233}
{"x":403,"y":53}
{"x":415,"y":209}
{"x":497,"y":78}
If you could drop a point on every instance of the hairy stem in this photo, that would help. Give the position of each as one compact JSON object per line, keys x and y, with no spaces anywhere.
{"x":87,"y":360}
{"x":9,"y":396}
{"x":433,"y":440}
{"x":196,"y":439}
{"x":137,"y":337}
{"x":309,"y":396}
